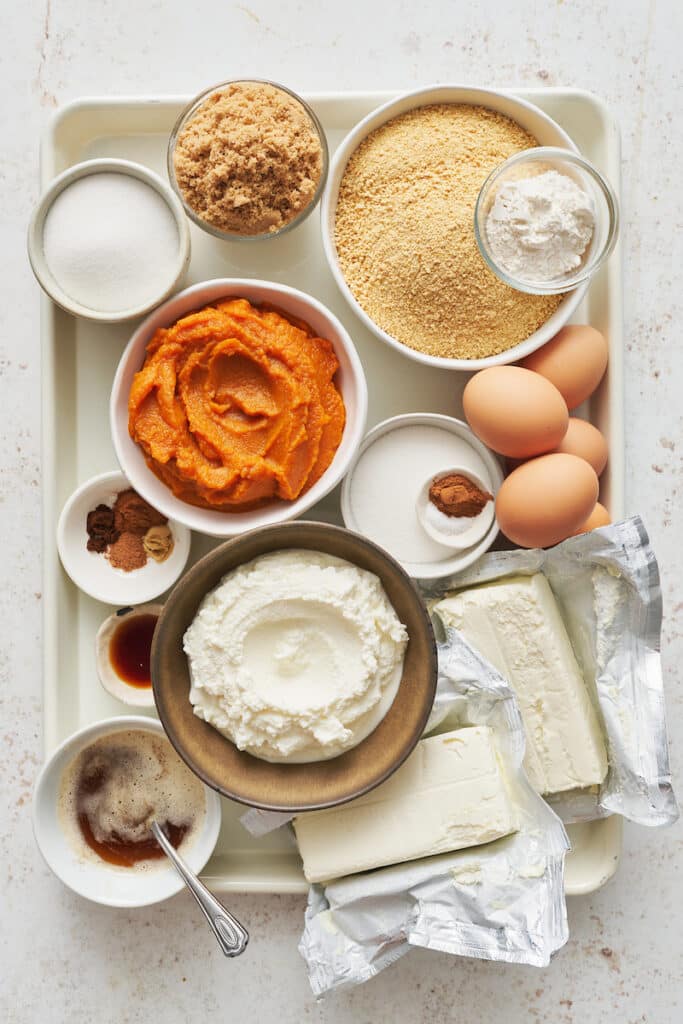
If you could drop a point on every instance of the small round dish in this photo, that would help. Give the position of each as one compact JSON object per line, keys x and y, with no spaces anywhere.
{"x":186,"y":115}
{"x":601,"y":194}
{"x":388,"y":473}
{"x":95,"y":879}
{"x":313,"y":785}
{"x":92,"y":572}
{"x":39,"y":263}
{"x":127,"y":693}
{"x":533,"y":120}
{"x":350,"y":379}
{"x":457,"y":532}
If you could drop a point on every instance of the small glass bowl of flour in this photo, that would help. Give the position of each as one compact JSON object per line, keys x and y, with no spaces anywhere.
{"x":109,"y":240}
{"x":546,"y":220}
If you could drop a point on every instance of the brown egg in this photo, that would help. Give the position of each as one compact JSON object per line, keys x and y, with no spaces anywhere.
{"x":546,"y":499}
{"x":574,"y":361}
{"x":586,"y":441}
{"x":514,"y":411}
{"x":598,"y":517}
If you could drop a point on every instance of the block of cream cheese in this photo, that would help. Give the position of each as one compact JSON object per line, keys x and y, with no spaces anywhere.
{"x":449,"y":794}
{"x":515,"y":623}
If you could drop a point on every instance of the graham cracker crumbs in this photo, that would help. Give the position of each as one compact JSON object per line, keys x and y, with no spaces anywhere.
{"x":404,"y":233}
{"x":249,"y":160}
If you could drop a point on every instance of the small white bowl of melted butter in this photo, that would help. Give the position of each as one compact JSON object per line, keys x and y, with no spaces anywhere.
{"x":93,"y":804}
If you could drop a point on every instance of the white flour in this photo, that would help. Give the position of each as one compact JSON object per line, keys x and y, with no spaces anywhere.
{"x":539,"y":228}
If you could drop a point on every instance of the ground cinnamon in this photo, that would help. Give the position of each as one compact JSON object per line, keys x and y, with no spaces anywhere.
{"x":127,"y":553}
{"x":456,"y":495}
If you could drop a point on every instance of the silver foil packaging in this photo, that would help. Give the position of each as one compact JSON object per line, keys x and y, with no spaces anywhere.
{"x":606,"y":583}
{"x":503,"y":901}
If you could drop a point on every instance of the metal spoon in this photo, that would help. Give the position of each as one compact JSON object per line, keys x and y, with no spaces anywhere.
{"x":232,"y":936}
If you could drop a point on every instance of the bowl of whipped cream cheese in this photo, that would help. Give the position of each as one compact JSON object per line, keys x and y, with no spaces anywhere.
{"x":294,"y":668}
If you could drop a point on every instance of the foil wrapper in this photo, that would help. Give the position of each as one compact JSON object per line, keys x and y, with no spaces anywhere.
{"x":607,"y":585}
{"x":502,"y":901}
{"x":505,"y":901}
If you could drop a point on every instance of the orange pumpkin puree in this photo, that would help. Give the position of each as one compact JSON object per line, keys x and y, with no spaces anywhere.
{"x":236,"y":406}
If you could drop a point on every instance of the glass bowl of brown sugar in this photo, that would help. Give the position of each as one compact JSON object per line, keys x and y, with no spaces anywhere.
{"x":248,"y":160}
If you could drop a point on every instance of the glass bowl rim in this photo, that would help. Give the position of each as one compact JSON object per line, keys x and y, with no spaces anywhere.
{"x":191,"y":108}
{"x":555,"y":286}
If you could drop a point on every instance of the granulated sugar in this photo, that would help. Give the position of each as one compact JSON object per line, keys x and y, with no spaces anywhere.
{"x":110,"y":242}
{"x":405,"y":236}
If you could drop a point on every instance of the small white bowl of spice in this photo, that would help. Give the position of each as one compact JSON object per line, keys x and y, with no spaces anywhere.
{"x":115,"y":546}
{"x":109,"y":240}
{"x":455,"y":507}
{"x":423,"y":486}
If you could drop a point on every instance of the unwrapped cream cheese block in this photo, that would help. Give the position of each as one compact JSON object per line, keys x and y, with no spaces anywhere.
{"x":515,"y":624}
{"x":448,"y":795}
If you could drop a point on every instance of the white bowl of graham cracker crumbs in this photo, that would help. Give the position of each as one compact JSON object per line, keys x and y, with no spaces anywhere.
{"x":397,"y":219}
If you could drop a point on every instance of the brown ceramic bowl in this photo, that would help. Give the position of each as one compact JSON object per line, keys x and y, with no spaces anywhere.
{"x":293,"y":787}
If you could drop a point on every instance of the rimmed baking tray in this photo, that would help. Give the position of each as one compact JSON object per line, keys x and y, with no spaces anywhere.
{"x":79,"y":359}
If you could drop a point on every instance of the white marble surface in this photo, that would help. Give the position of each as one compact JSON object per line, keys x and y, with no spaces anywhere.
{"x":63,"y":960}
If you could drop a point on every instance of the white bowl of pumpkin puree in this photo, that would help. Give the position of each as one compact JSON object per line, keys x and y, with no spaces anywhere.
{"x":237,"y":404}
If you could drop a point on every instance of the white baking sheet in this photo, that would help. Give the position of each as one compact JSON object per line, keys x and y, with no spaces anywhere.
{"x":79,"y":360}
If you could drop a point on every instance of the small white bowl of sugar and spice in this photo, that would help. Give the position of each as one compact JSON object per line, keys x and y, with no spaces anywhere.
{"x":109,"y":240}
{"x":115,"y":546}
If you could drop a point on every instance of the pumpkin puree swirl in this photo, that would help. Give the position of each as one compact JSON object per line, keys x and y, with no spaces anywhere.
{"x":236,"y":406}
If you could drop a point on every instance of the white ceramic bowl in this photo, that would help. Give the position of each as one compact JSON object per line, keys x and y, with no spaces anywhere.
{"x":94,"y":879}
{"x":530,"y":117}
{"x":92,"y":572}
{"x":350,"y":378}
{"x":480,"y":461}
{"x":133,"y":696}
{"x":36,"y":254}
{"x":471,"y":530}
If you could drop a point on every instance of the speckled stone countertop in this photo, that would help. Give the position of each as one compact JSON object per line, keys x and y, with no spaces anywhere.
{"x":65,"y":960}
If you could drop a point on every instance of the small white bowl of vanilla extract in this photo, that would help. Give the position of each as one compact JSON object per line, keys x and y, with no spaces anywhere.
{"x":123,"y":647}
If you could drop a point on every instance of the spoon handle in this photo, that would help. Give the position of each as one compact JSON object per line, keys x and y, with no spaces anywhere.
{"x":232,"y":936}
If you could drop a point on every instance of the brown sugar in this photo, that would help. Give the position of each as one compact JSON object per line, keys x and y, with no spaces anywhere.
{"x":250,"y":159}
{"x":404,"y":233}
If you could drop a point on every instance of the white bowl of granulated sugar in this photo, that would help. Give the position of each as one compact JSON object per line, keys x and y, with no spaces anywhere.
{"x":109,"y":240}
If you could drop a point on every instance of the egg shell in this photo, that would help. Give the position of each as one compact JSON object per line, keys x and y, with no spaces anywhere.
{"x":546,"y":500}
{"x":574,"y":361}
{"x":586,"y":441}
{"x":598,"y":517}
{"x":514,"y":411}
